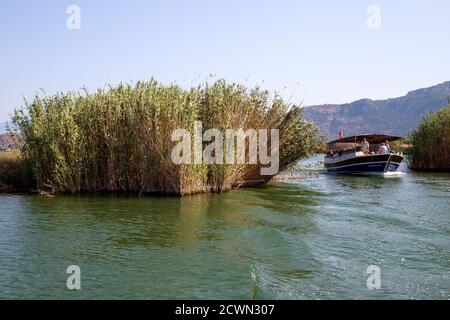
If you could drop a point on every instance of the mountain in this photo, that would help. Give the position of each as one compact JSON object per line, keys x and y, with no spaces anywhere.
{"x":6,"y":142}
{"x":397,"y":116}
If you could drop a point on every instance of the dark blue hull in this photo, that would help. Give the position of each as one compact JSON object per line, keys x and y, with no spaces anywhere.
{"x":364,"y":168}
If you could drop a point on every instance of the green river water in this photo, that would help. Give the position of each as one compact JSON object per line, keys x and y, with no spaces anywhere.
{"x":308,"y":239}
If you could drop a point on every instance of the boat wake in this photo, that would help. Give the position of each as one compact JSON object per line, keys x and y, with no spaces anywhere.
{"x":394,"y":174}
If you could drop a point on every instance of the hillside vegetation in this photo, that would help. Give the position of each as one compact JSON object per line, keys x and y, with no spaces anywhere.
{"x":396,"y":116}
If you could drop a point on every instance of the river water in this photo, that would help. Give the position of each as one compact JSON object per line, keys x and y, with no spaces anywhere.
{"x":308,"y":239}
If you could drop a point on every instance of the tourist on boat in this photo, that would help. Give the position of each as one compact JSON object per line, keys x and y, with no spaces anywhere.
{"x":365,"y":147}
{"x":388,"y":146}
{"x":383,"y":149}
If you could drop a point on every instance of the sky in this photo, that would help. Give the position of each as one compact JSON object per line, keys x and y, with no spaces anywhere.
{"x":311,"y":52}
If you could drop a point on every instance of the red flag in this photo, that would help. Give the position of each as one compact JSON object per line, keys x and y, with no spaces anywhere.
{"x":341,"y":135}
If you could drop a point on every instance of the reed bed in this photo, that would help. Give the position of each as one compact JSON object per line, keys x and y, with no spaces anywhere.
{"x":14,"y":172}
{"x":430,"y":142}
{"x":118,"y":139}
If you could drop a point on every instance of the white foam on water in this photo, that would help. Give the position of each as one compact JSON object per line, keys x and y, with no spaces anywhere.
{"x":394,"y":174}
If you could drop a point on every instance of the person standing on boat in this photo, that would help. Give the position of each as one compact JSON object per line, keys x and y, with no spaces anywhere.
{"x":382,"y":149}
{"x":388,"y":146}
{"x":365,"y":147}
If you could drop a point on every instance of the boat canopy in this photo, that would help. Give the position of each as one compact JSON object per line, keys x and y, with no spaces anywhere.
{"x":354,"y":141}
{"x":342,"y":146}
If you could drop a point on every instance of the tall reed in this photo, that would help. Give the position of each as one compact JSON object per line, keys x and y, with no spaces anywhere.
{"x":14,"y":172}
{"x":119,"y":139}
{"x":431,"y":142}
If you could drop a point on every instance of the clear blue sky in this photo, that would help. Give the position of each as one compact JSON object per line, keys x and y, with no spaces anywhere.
{"x":319,"y":51}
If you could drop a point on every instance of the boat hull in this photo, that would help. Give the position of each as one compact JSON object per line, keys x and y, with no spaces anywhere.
{"x":365,"y":164}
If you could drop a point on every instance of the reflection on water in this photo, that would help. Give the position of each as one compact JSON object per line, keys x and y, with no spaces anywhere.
{"x":309,"y":239}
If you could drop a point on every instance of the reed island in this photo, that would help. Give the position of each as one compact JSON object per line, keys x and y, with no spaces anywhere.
{"x":118,"y":139}
{"x":430,"y":142}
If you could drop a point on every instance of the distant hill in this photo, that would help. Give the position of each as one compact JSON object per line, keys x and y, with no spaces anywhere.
{"x":396,"y":116}
{"x":6,"y":142}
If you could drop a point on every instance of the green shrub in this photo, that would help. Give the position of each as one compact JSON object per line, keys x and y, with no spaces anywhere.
{"x":431,"y":142}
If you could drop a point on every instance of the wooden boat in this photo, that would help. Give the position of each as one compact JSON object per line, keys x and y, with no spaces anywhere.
{"x":345,"y":156}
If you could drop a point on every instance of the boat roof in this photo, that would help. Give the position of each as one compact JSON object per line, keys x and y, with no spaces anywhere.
{"x":371,"y":138}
